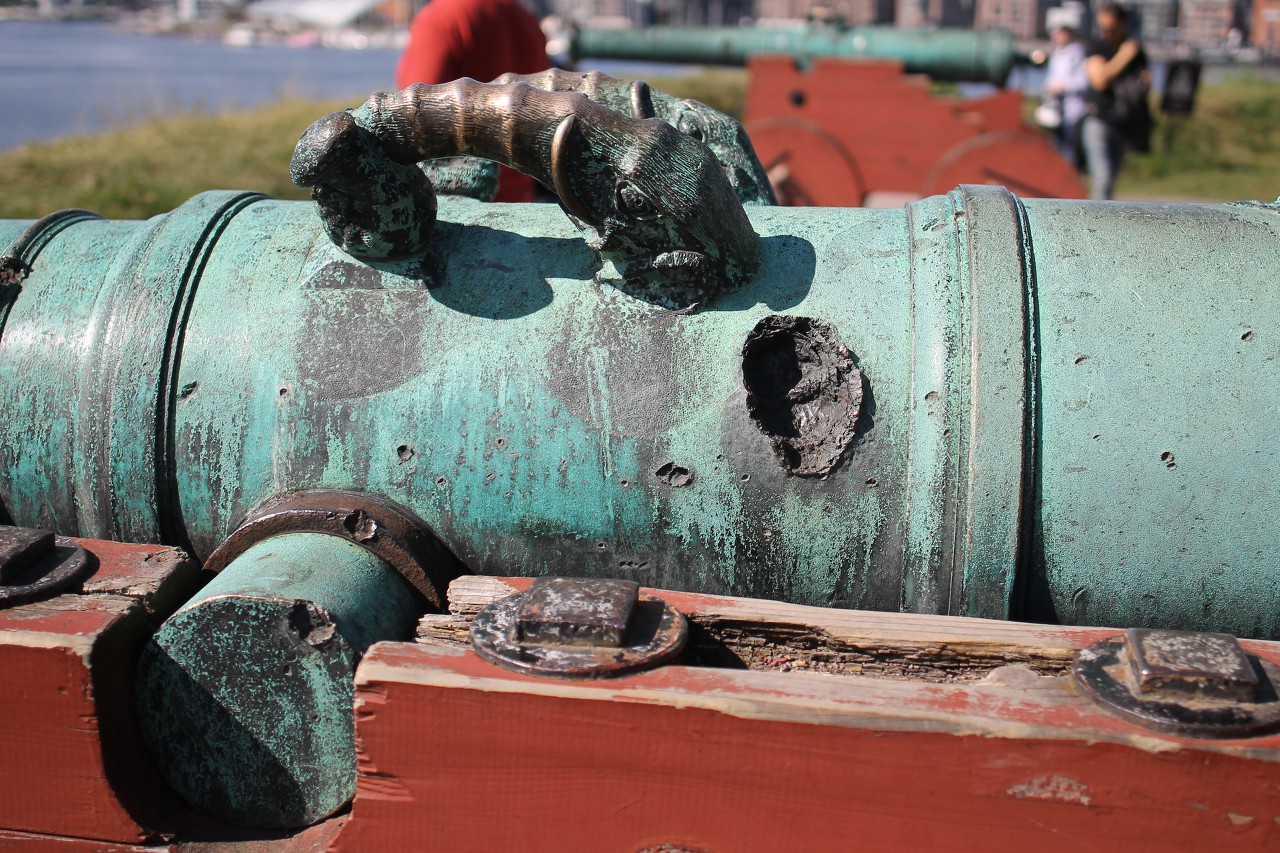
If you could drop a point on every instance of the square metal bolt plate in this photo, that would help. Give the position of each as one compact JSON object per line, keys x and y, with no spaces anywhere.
{"x":576,"y":612}
{"x":1183,"y":664}
{"x":21,"y":548}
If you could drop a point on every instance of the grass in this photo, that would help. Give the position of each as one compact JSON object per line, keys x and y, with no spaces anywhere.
{"x":1229,"y":150}
{"x":155,"y":166}
{"x":722,"y":88}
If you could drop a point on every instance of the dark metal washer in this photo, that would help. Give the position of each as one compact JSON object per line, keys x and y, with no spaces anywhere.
{"x":38,"y":565}
{"x":1103,"y":672}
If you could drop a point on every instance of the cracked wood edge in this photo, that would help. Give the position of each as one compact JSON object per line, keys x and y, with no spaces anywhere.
{"x":157,"y":577}
{"x":755,"y":634}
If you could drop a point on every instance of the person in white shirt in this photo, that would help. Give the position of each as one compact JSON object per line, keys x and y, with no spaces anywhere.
{"x":1066,"y":81}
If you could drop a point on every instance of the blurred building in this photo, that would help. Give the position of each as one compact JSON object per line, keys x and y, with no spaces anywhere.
{"x":1265,"y":31}
{"x":1206,"y":23}
{"x":852,"y":12}
{"x":1022,"y":18}
{"x":708,"y":13}
{"x":1156,"y":20}
{"x":642,"y":13}
{"x":583,"y":10}
{"x":934,"y":13}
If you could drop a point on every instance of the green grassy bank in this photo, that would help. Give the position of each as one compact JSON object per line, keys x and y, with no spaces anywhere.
{"x":1229,"y":150}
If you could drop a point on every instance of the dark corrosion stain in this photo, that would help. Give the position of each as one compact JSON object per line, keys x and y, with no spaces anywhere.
{"x":12,"y":270}
{"x":363,"y":340}
{"x":311,"y":624}
{"x":638,"y":358}
{"x":803,"y":391}
{"x":346,"y":275}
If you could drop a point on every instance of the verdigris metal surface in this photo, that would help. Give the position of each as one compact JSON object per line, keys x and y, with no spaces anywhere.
{"x":945,"y":54}
{"x":542,"y":423}
{"x":1159,"y":405}
{"x":245,"y":694}
{"x":90,"y":350}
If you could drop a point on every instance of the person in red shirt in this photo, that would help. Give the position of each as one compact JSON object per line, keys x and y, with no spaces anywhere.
{"x":480,"y":39}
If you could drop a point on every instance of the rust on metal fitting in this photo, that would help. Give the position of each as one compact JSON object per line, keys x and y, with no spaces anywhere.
{"x":579,"y":628}
{"x":566,"y":612}
{"x":1182,"y":682}
{"x":389,"y":531}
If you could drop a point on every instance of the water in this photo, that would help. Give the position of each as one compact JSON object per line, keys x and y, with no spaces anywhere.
{"x":59,"y":79}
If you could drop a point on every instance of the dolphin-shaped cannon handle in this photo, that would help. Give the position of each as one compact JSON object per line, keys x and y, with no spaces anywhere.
{"x":662,"y":211}
{"x":722,"y":133}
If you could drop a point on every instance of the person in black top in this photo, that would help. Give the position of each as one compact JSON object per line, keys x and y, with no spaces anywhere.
{"x":1118,"y":117}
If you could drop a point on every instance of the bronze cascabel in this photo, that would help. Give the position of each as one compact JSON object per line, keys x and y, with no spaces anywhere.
{"x":667,"y":223}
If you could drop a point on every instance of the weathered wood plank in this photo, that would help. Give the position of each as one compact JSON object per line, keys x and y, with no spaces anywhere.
{"x":767,"y":635}
{"x":477,"y":758}
{"x":53,"y":776}
{"x":160,"y":578}
{"x":70,"y":761}
{"x":22,"y":841}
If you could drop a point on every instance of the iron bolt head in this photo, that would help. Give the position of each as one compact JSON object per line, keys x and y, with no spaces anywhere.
{"x":579,"y":628}
{"x":1182,"y":682}
{"x":35,"y":564}
{"x":1189,"y":664}
{"x":576,"y":612}
{"x":20,"y":549}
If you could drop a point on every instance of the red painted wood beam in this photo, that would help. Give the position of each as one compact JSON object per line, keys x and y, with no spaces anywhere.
{"x":71,"y":764}
{"x":457,"y":754}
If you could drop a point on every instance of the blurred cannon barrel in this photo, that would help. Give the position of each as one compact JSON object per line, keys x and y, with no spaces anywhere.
{"x":978,"y":404}
{"x":948,"y":54}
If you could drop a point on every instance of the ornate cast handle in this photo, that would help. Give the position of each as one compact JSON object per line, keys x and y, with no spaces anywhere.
{"x":722,"y":133}
{"x":661,"y":209}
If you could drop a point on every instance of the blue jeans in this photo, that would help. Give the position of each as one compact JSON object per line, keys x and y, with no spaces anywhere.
{"x":1103,"y":153}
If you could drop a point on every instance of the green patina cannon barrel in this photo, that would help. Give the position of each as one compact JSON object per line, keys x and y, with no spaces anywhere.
{"x":1043,"y":409}
{"x":949,"y":54}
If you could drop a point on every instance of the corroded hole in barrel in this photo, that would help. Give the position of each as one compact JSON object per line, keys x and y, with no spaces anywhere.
{"x":361,"y":527}
{"x":674,"y":475}
{"x":804,"y":391}
{"x":311,"y":624}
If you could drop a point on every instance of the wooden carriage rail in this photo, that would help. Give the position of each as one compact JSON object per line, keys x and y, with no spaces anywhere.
{"x":837,"y":730}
